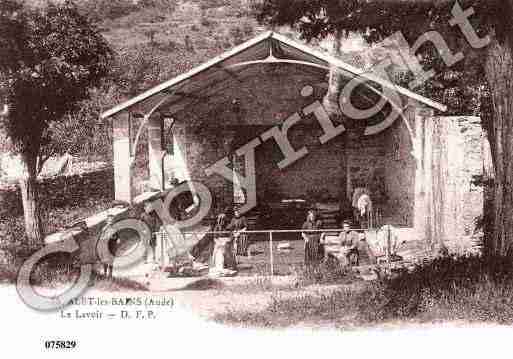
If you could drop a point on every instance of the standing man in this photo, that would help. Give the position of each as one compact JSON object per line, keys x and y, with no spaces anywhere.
{"x":312,"y":239}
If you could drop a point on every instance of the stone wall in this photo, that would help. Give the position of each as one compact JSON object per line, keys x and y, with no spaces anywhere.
{"x":61,"y":191}
{"x":194,"y":149}
{"x":400,"y":167}
{"x":321,"y":172}
{"x":329,"y":170}
{"x":455,"y":144}
{"x":207,"y":131}
{"x":385,"y":163}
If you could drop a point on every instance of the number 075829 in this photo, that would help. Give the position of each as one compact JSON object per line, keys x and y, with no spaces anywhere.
{"x":60,"y":344}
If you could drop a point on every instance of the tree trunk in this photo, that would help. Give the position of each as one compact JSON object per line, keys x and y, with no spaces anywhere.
{"x":499,"y":73}
{"x":29,"y":195}
{"x":335,"y":84}
{"x":488,"y":187}
{"x":331,"y":102}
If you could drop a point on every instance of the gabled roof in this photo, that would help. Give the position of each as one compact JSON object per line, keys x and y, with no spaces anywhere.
{"x":263,"y":48}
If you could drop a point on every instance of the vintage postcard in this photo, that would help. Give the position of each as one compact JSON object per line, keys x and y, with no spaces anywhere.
{"x":256,"y":177}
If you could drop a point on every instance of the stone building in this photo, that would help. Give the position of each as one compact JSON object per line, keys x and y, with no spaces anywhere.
{"x":257,"y":109}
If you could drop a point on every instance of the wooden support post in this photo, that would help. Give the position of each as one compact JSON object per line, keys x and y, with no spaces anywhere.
{"x":123,"y":188}
{"x":156,"y":152}
{"x":389,"y":245}
{"x":271,"y":252}
{"x":162,"y":243}
{"x":418,"y":114}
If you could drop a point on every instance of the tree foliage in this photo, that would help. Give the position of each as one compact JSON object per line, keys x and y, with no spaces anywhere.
{"x":49,"y":59}
{"x":461,"y":87}
{"x":377,"y":19}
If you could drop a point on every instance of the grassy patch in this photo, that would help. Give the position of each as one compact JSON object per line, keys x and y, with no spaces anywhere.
{"x":57,"y":269}
{"x":12,"y":229}
{"x":288,"y":311}
{"x":61,"y":269}
{"x":329,"y":272}
{"x":7,"y":274}
{"x":259,"y":284}
{"x":205,"y":284}
{"x":115,"y":284}
{"x":472,"y":289}
{"x":56,"y":272}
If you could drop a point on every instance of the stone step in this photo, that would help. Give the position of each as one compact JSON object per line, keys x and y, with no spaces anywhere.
{"x":329,"y":215}
{"x":326,"y":221}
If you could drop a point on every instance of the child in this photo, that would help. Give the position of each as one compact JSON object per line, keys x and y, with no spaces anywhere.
{"x":112,"y":244}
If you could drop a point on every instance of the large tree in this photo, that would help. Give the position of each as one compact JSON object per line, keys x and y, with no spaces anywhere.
{"x":487,"y":67}
{"x":49,"y":59}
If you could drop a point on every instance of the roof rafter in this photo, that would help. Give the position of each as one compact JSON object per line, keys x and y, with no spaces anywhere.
{"x":319,"y":56}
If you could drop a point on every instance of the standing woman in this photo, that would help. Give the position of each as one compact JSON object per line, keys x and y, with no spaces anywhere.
{"x":223,"y":260}
{"x":312,"y":239}
{"x":239,"y":225}
{"x":219,"y":227}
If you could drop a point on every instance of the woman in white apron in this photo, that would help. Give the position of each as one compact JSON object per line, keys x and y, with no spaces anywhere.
{"x":223,"y":259}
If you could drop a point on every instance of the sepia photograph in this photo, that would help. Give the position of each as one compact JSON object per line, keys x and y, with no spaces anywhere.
{"x":256,"y":177}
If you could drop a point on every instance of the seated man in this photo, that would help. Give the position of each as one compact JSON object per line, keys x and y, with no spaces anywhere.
{"x":349,"y":241}
{"x":344,"y":246}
